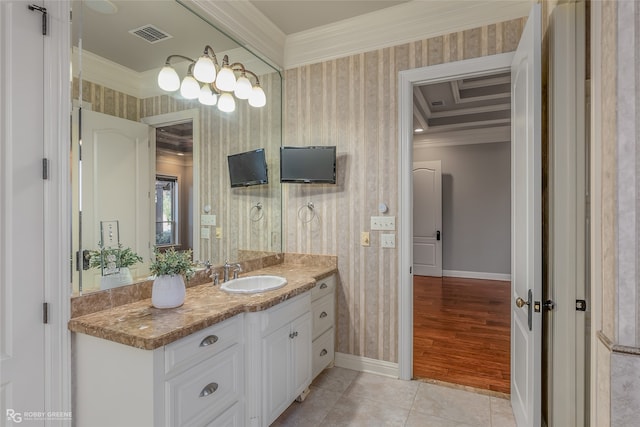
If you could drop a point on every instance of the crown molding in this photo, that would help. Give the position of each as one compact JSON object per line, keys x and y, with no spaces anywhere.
{"x":412,"y":21}
{"x":245,"y":24}
{"x":463,"y":137}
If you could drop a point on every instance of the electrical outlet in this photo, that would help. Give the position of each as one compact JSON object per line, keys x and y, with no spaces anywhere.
{"x":208,"y":220}
{"x":205,"y":232}
{"x":387,"y":240}
{"x":218,"y":232}
{"x":364,"y":238}
{"x":383,"y":223}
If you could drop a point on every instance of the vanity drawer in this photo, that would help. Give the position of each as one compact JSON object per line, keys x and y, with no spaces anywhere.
{"x":323,"y":350}
{"x":204,"y":391}
{"x":198,"y":346}
{"x":323,"y":287}
{"x":323,"y":314}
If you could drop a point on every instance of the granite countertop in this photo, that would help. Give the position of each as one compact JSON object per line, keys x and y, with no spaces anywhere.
{"x":141,"y":325}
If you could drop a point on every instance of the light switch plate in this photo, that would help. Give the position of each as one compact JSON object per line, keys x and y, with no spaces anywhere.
{"x":208,"y":220}
{"x":364,"y":238}
{"x":205,"y":232}
{"x":388,"y":240}
{"x":383,"y":223}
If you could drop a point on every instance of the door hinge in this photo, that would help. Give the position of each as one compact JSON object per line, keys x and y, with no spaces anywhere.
{"x":45,"y":168}
{"x":410,"y":270}
{"x":45,"y":312}
{"x":581,"y":305}
{"x":42,"y":10}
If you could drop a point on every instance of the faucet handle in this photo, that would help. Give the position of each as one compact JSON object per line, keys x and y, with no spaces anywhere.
{"x":216,"y":278}
{"x":237,"y":269}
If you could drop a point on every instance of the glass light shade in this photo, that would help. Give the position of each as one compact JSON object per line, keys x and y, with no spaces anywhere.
{"x":205,"y":70}
{"x":168,"y":79}
{"x":243,"y":88}
{"x":257,"y":98}
{"x":226,"y":103}
{"x":207,"y":97}
{"x":190,"y":88}
{"x":226,"y":80}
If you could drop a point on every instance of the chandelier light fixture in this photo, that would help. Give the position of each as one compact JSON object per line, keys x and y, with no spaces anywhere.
{"x":211,"y":83}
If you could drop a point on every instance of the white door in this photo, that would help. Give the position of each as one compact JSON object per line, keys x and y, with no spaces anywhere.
{"x":22,"y":331}
{"x":116,"y":186}
{"x":427,"y":218}
{"x":526,"y":208}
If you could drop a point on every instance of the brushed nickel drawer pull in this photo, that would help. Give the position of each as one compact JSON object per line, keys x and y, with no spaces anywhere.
{"x":323,"y":352}
{"x":209,"y":389}
{"x":323,"y":285}
{"x":323,"y":314}
{"x":211,"y":339}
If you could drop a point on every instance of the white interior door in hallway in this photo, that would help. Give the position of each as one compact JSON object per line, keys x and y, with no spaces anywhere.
{"x":22,"y":330}
{"x":427,"y":218}
{"x":526,"y":223}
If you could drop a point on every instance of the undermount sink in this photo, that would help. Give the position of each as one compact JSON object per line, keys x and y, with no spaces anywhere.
{"x":253,"y":284}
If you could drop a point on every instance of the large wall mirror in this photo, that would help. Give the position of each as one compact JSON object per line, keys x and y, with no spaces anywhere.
{"x":150,"y":167}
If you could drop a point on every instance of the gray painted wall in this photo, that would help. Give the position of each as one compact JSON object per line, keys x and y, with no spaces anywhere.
{"x":476,"y":206}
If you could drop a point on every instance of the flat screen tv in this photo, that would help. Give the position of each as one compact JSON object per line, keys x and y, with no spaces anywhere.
{"x":308,"y":165}
{"x":248,"y":168}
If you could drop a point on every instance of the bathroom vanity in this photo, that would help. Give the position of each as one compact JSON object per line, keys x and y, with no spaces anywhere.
{"x":220,"y":359}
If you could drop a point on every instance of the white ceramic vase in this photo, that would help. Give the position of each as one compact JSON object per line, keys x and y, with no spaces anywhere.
{"x":168,"y":291}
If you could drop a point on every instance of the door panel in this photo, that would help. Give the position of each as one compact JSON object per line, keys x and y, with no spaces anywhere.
{"x":526,"y":256}
{"x":116,"y":186}
{"x":427,"y":218}
{"x":22,"y":331}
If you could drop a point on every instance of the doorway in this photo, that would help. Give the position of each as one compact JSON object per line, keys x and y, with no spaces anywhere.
{"x":462,"y":231}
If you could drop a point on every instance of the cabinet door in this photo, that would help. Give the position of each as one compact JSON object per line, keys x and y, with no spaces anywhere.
{"x":276,"y":373}
{"x":301,"y":354}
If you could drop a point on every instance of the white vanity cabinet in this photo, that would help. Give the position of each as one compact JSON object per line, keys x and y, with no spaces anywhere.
{"x":197,"y":380}
{"x":323,"y":304}
{"x":279,"y":364}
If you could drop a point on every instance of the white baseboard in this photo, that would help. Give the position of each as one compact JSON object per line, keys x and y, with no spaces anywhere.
{"x":476,"y":275}
{"x":365,"y":364}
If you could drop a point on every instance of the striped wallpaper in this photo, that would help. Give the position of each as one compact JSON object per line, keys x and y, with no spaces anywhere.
{"x":351,"y":102}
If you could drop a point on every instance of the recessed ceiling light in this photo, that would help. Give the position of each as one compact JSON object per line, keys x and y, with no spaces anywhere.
{"x":418,"y":130}
{"x":180,"y":154}
{"x":102,"y":6}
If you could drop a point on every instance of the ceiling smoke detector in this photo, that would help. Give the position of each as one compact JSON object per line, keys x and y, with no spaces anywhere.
{"x":151,"y":33}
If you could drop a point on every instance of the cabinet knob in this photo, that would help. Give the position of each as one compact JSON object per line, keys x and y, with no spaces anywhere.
{"x":211,"y":339}
{"x":209,"y":389}
{"x":323,"y":314}
{"x":323,"y":352}
{"x":323,"y":285}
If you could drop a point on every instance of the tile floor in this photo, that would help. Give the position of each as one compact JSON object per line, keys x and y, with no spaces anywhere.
{"x":342,"y":397}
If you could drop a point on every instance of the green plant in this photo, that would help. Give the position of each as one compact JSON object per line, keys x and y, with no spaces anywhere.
{"x":113,"y":257}
{"x":172,"y":262}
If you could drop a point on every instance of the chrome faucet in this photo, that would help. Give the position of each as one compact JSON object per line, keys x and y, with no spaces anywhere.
{"x":237,"y":268}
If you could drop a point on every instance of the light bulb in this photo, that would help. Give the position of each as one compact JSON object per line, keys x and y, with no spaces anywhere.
{"x":168,"y":79}
{"x":226,"y":103}
{"x":226,"y":80}
{"x":257,"y":98}
{"x":243,"y":88}
{"x":190,"y":88}
{"x":205,"y":70}
{"x":207,"y":97}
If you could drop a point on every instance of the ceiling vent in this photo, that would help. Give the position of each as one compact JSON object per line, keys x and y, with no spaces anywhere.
{"x":151,"y":33}
{"x":437,"y":103}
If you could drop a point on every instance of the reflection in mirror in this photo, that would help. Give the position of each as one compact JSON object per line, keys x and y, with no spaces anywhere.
{"x":151,"y":166}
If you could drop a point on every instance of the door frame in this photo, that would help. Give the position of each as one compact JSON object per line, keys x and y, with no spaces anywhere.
{"x":175,"y":118}
{"x":406,"y":81}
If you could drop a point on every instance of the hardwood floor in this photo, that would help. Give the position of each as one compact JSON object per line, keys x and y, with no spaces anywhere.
{"x":461,"y":331}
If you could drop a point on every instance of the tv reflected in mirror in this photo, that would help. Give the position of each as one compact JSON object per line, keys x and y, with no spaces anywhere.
{"x":248,"y":168}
